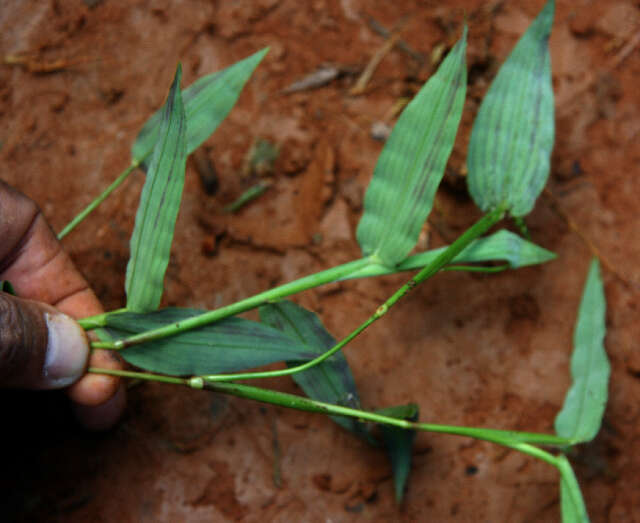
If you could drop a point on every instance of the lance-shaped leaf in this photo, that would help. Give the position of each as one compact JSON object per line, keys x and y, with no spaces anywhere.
{"x":207,"y":102}
{"x":331,"y":381}
{"x":584,"y":405}
{"x":158,"y":209}
{"x":399,"y":443}
{"x":411,"y":165}
{"x":512,"y":137}
{"x":572,"y":506}
{"x":500,"y":246}
{"x":229,"y":345}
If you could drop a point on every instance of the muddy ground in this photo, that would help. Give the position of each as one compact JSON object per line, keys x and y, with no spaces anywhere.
{"x":486,"y":350}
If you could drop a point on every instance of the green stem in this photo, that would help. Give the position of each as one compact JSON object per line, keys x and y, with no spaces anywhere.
{"x":528,"y":448}
{"x":479,"y":228}
{"x":572,"y":488}
{"x":503,"y":437}
{"x":522,"y":227}
{"x":476,"y":230}
{"x":141,"y":376}
{"x":90,"y":208}
{"x":313,"y":280}
{"x":97,"y":321}
{"x":517,"y":440}
{"x":211,"y":378}
{"x":277,"y":293}
{"x":369,"y":269}
{"x":476,"y":268}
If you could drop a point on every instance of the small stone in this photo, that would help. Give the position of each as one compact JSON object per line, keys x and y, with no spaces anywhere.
{"x":335,"y":225}
{"x":294,"y":157}
{"x":352,"y":192}
{"x":380,"y":131}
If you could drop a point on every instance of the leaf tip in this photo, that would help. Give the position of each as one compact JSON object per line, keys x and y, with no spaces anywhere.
{"x":178,"y":77}
{"x":258,"y":56}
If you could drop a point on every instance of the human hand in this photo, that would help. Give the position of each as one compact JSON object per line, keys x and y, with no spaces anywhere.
{"x":41,"y":347}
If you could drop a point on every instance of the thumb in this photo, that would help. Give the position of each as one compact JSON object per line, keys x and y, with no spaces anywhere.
{"x":40,"y":348}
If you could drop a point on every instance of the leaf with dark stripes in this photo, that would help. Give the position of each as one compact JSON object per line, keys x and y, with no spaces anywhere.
{"x":411,"y":165}
{"x":229,"y":345}
{"x":512,"y":136}
{"x":207,"y":103}
{"x":331,"y":381}
{"x":158,"y":209}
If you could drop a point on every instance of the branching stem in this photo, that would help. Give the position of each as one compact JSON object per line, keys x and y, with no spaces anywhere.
{"x":277,"y":293}
{"x":476,"y":230}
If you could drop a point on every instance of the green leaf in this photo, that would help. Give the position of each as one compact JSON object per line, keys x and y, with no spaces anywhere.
{"x":5,"y":286}
{"x":572,"y":504}
{"x":150,"y":244}
{"x":250,"y":194}
{"x":502,"y":245}
{"x":581,"y":414}
{"x":331,"y":381}
{"x":512,"y":137}
{"x":229,"y":345}
{"x":412,"y":163}
{"x":399,"y":443}
{"x":207,"y":103}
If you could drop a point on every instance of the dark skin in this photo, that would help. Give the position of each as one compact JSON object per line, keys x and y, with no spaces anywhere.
{"x":47,"y":282}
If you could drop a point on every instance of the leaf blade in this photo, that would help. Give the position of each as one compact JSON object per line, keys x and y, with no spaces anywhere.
{"x":207,"y":103}
{"x":411,"y":165}
{"x":585,"y":402}
{"x":399,"y":445}
{"x":500,"y":246}
{"x":512,"y":137}
{"x":150,"y":243}
{"x":229,"y":345}
{"x":331,"y":381}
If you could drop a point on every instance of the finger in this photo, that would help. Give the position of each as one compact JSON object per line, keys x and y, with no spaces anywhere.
{"x":40,"y":348}
{"x":104,"y":416}
{"x":88,"y":394}
{"x":32,"y":259}
{"x":94,"y":389}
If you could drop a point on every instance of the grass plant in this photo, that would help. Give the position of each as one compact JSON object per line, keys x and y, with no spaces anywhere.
{"x":508,"y":165}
